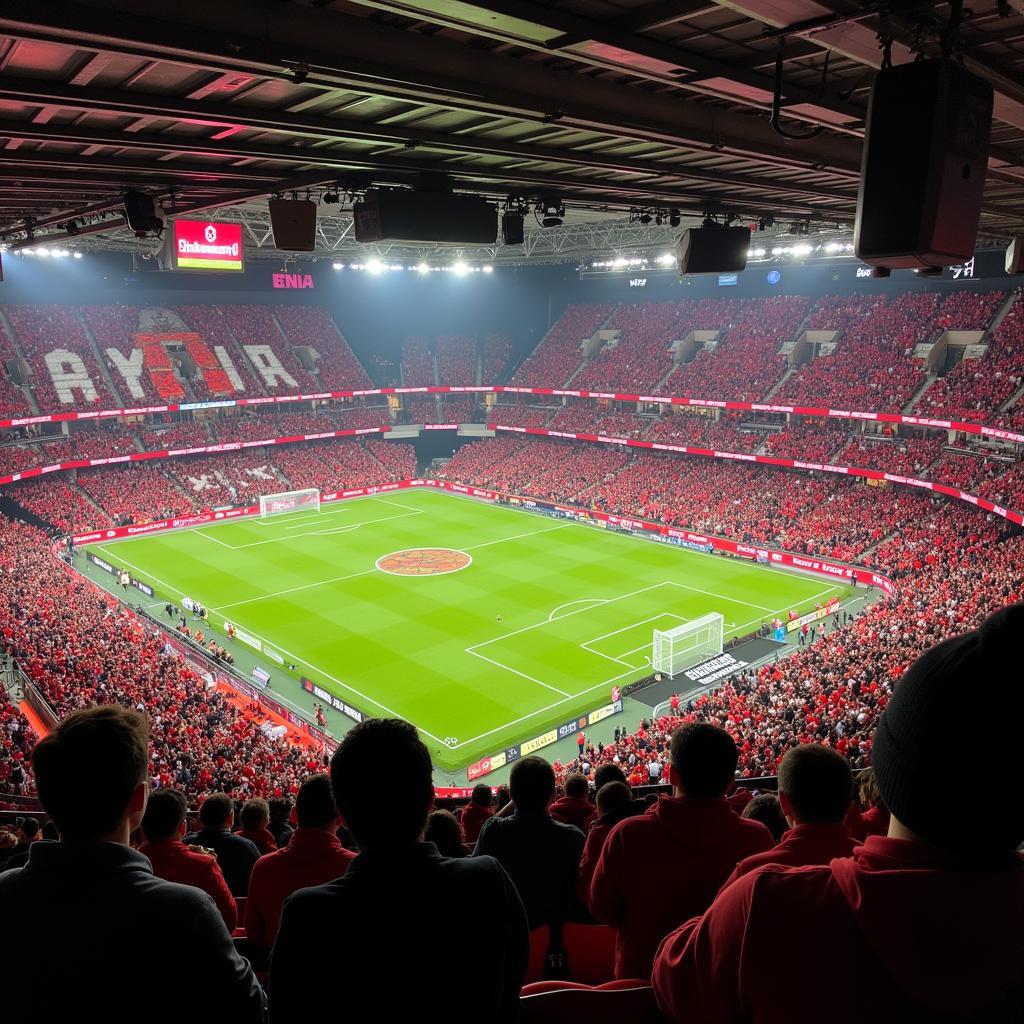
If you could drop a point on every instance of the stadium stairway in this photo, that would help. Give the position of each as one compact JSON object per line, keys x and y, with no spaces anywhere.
{"x":916,"y":396}
{"x":9,"y":331}
{"x":999,"y":317}
{"x":777,"y":387}
{"x":100,"y":357}
{"x":1012,"y":400}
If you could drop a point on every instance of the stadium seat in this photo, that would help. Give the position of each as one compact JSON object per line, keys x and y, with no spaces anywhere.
{"x":591,"y":949}
{"x":616,"y":1002}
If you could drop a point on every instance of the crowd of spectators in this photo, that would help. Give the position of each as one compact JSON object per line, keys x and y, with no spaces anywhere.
{"x":820,"y":442}
{"x":745,"y":362}
{"x":417,"y":362}
{"x":13,"y":401}
{"x":114,"y":327}
{"x":149,"y":495}
{"x":42,"y":330}
{"x":560,"y":352}
{"x":640,"y":358}
{"x":212,"y":326}
{"x":456,"y":359}
{"x":975,"y":389}
{"x":16,"y":741}
{"x":337,"y":365}
{"x":458,"y":409}
{"x":903,"y":456}
{"x":57,"y":502}
{"x":521,"y":415}
{"x":172,"y":436}
{"x":494,"y":360}
{"x":873,"y":365}
{"x":703,"y":431}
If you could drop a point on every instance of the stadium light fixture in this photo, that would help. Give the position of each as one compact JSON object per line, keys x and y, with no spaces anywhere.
{"x":374,"y":266}
{"x":460,"y":269}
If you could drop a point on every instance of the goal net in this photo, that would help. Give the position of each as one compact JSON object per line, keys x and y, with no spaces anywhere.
{"x":678,"y":648}
{"x":288,"y":501}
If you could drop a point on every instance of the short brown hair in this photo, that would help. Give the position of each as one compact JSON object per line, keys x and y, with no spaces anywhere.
{"x":111,"y":744}
{"x":255,"y":813}
{"x":818,"y":783}
{"x":704,"y":758}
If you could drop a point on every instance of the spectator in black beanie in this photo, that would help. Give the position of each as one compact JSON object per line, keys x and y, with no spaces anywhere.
{"x":923,"y":925}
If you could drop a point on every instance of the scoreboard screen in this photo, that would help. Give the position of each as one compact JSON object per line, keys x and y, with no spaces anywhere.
{"x":207,"y":245}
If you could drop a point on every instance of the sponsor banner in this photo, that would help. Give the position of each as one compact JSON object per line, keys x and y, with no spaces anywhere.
{"x":248,"y":638}
{"x":819,"y":613}
{"x":139,"y":585}
{"x":260,"y":676}
{"x":714,"y":669}
{"x":105,"y":566}
{"x":490,"y":764}
{"x":273,"y":655}
{"x":328,"y":698}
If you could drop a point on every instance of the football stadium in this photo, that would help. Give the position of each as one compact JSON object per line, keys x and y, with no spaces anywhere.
{"x":524,"y":501}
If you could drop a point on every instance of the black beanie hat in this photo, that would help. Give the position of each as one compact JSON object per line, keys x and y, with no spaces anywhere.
{"x":964,"y":810}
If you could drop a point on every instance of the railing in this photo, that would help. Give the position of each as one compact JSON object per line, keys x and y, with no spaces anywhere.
{"x":508,"y":389}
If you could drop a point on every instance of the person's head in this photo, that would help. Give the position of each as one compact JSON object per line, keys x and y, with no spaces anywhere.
{"x":531,"y":784}
{"x":765,"y":808}
{"x":165,"y":815}
{"x":444,"y":831}
{"x":503,"y":796}
{"x":867,"y":790}
{"x":576,"y":787}
{"x":611,"y":796}
{"x":314,"y":805}
{"x":383,"y":755}
{"x":217,"y":811}
{"x":50,"y":832}
{"x":703,"y":760}
{"x":482,"y":795}
{"x":107,"y":745}
{"x":815,"y":785}
{"x":255,"y":815}
{"x":280,"y":809}
{"x":29,"y":830}
{"x":903,"y":751}
{"x":608,"y":773}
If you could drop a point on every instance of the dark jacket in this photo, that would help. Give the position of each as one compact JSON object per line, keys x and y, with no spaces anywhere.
{"x":235,"y":855}
{"x":542,"y":856}
{"x":390,"y":930}
{"x":113,"y":933}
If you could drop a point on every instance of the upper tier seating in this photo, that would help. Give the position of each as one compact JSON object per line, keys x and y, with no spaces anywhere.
{"x":553,"y":361}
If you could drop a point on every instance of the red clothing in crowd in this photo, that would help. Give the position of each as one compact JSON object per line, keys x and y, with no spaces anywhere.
{"x":872,"y":822}
{"x":801,"y":846}
{"x":262,"y":837}
{"x":570,"y":810}
{"x":473,"y":818}
{"x":664,"y":867}
{"x":739,"y":799}
{"x":891,"y":933}
{"x":173,"y":861}
{"x":588,"y":862}
{"x":313,"y":856}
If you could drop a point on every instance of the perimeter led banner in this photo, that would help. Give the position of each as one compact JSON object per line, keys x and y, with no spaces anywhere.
{"x":207,"y":245}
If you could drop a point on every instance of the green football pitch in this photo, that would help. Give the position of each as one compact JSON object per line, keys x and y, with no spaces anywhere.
{"x":543,"y":618}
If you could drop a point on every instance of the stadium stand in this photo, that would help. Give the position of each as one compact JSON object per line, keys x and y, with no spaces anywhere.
{"x":496,"y":354}
{"x":559,"y":354}
{"x":456,"y":359}
{"x":337,"y":366}
{"x":417,"y":363}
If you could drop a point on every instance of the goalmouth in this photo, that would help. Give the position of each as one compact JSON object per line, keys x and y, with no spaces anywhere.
{"x":677,"y":649}
{"x":288,"y":501}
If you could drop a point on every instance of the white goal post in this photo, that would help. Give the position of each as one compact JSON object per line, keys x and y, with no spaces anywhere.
{"x":678,"y":648}
{"x":288,"y":501}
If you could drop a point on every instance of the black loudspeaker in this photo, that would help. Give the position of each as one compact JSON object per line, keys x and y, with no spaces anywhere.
{"x":512,"y":228}
{"x":713,"y":250}
{"x":923,"y":171}
{"x":439,"y":217}
{"x":293,"y":222}
{"x":142,"y":214}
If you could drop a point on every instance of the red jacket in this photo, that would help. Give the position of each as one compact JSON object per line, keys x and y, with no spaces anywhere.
{"x":262,"y":837}
{"x":314,"y":856}
{"x":872,"y":822}
{"x":662,"y":868}
{"x":800,"y":846}
{"x":570,"y":810}
{"x":890,"y":933}
{"x":173,"y":861}
{"x":473,"y":818}
{"x":588,"y":862}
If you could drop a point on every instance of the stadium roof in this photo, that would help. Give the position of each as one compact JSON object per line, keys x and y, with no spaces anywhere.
{"x":613,"y":105}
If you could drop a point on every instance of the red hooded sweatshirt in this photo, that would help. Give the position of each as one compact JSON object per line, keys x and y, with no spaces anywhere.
{"x":800,"y":846}
{"x":570,"y":810}
{"x":661,"y":868}
{"x":473,"y":818}
{"x":893,"y":933}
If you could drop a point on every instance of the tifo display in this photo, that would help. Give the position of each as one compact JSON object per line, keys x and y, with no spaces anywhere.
{"x":480,"y":623}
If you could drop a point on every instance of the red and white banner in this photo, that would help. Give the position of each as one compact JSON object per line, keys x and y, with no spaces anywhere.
{"x":507,"y":389}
